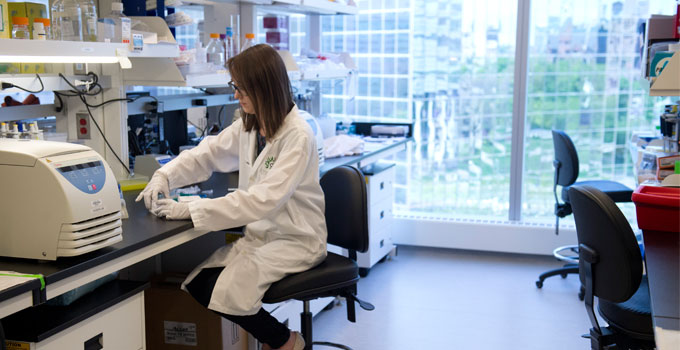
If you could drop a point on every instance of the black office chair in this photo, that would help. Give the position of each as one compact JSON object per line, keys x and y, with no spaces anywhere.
{"x":566,"y":166}
{"x":610,"y":268}
{"x":347,"y":222}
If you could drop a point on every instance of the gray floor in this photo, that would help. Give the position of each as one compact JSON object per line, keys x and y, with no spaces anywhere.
{"x":428,"y":298}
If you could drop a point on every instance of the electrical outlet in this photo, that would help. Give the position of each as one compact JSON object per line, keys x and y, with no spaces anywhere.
{"x":80,"y":68}
{"x":83,"y":126}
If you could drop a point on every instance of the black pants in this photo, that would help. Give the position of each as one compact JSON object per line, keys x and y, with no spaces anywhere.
{"x":263,"y":326}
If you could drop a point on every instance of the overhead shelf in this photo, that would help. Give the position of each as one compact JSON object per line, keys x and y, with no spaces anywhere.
{"x":668,"y":82}
{"x":27,"y":112}
{"x":317,"y":7}
{"x":53,"y":51}
{"x":51,"y":82}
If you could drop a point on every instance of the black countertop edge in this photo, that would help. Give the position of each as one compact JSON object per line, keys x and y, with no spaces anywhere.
{"x":113,"y":254}
{"x":13,"y":291}
{"x":39,"y":323}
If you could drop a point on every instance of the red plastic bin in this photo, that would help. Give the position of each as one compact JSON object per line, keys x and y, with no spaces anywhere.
{"x":658,"y":208}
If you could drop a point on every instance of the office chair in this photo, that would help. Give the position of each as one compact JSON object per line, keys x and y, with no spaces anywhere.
{"x":566,"y":166}
{"x":347,"y":222}
{"x":610,"y":268}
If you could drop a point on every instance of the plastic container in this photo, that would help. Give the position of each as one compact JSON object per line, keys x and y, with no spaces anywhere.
{"x":46,"y":26}
{"x":230,"y":44}
{"x":67,"y":20}
{"x":215,"y":51}
{"x":116,"y":27}
{"x":89,"y":20}
{"x":249,"y":42}
{"x":20,"y":28}
{"x":657,"y":208}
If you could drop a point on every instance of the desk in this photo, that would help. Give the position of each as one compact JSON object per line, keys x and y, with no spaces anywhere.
{"x":144,"y":236}
{"x":662,"y":258}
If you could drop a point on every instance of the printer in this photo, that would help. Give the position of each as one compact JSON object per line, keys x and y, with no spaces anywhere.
{"x":59,"y":199}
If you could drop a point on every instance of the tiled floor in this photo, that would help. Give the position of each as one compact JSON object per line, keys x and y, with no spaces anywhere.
{"x":428,"y":298}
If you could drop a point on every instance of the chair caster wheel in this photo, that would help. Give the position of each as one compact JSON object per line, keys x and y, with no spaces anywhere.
{"x":539,"y":284}
{"x":564,"y":275}
{"x":363,"y":272}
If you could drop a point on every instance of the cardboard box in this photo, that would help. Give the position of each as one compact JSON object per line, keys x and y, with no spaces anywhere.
{"x":5,"y":29}
{"x":175,"y":321}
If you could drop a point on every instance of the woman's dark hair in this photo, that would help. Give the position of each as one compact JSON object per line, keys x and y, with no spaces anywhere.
{"x":260,"y":74}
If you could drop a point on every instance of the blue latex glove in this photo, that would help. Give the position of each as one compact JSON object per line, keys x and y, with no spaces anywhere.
{"x":172,"y":210}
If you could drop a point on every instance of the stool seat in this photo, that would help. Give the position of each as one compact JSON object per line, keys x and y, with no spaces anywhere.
{"x":618,"y":192}
{"x":633,"y":315}
{"x":336,"y":271}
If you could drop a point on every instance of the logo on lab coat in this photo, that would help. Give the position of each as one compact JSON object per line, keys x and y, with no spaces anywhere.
{"x":269,"y":163}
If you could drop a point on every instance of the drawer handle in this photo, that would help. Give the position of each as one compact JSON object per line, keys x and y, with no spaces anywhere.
{"x":382,"y":214}
{"x":95,"y":343}
{"x":382,"y":243}
{"x":382,"y":185}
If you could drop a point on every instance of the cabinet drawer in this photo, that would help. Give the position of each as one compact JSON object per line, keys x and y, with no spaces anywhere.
{"x":379,"y":215}
{"x":380,"y":186}
{"x":380,"y":245}
{"x":119,"y":327}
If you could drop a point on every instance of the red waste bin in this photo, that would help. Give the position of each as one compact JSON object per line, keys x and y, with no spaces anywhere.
{"x":658,"y":208}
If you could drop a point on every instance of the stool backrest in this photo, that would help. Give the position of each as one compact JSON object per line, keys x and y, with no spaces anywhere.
{"x":565,"y":153}
{"x":601,"y":226}
{"x":344,"y":189}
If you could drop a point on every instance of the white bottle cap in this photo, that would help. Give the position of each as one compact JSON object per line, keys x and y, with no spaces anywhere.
{"x":117,"y":6}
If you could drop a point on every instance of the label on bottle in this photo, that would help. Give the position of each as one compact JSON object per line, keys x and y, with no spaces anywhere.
{"x":126,"y":31}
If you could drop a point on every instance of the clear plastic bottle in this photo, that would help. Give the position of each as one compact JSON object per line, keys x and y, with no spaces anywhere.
{"x":20,"y":28}
{"x":250,"y":41}
{"x":68,"y":22}
{"x":116,"y":27}
{"x":3,"y":130}
{"x":89,"y":19}
{"x":215,"y":51}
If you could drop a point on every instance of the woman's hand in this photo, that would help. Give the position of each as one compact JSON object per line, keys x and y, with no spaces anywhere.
{"x":158,"y":184}
{"x":172,"y":210}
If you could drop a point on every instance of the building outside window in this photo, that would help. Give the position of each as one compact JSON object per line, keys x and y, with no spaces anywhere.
{"x":448,"y":67}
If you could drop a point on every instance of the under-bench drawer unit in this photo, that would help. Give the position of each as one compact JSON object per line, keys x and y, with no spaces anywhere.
{"x":110,"y":318}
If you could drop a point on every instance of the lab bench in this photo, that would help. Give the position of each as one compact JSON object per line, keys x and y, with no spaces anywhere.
{"x":144,"y":236}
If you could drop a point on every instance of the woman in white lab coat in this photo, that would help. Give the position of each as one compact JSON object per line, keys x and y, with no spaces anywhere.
{"x":279,"y":198}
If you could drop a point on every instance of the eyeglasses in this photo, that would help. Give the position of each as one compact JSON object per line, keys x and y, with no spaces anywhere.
{"x":234,"y":86}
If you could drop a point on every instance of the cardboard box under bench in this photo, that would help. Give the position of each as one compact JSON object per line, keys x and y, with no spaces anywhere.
{"x":175,"y":321}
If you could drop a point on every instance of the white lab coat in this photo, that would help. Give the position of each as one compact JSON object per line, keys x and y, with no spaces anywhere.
{"x":279,"y":199}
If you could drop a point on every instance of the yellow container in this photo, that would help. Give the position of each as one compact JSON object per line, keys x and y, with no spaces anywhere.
{"x":5,"y":28}
{"x":32,"y":68}
{"x":33,"y":11}
{"x":16,"y":9}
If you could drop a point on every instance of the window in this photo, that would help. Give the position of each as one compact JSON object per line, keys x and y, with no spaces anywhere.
{"x":448,"y":66}
{"x":584,"y":78}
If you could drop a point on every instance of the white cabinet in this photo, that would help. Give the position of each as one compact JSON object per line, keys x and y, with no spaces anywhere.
{"x":380,"y":186}
{"x":111,"y":318}
{"x":118,"y":327}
